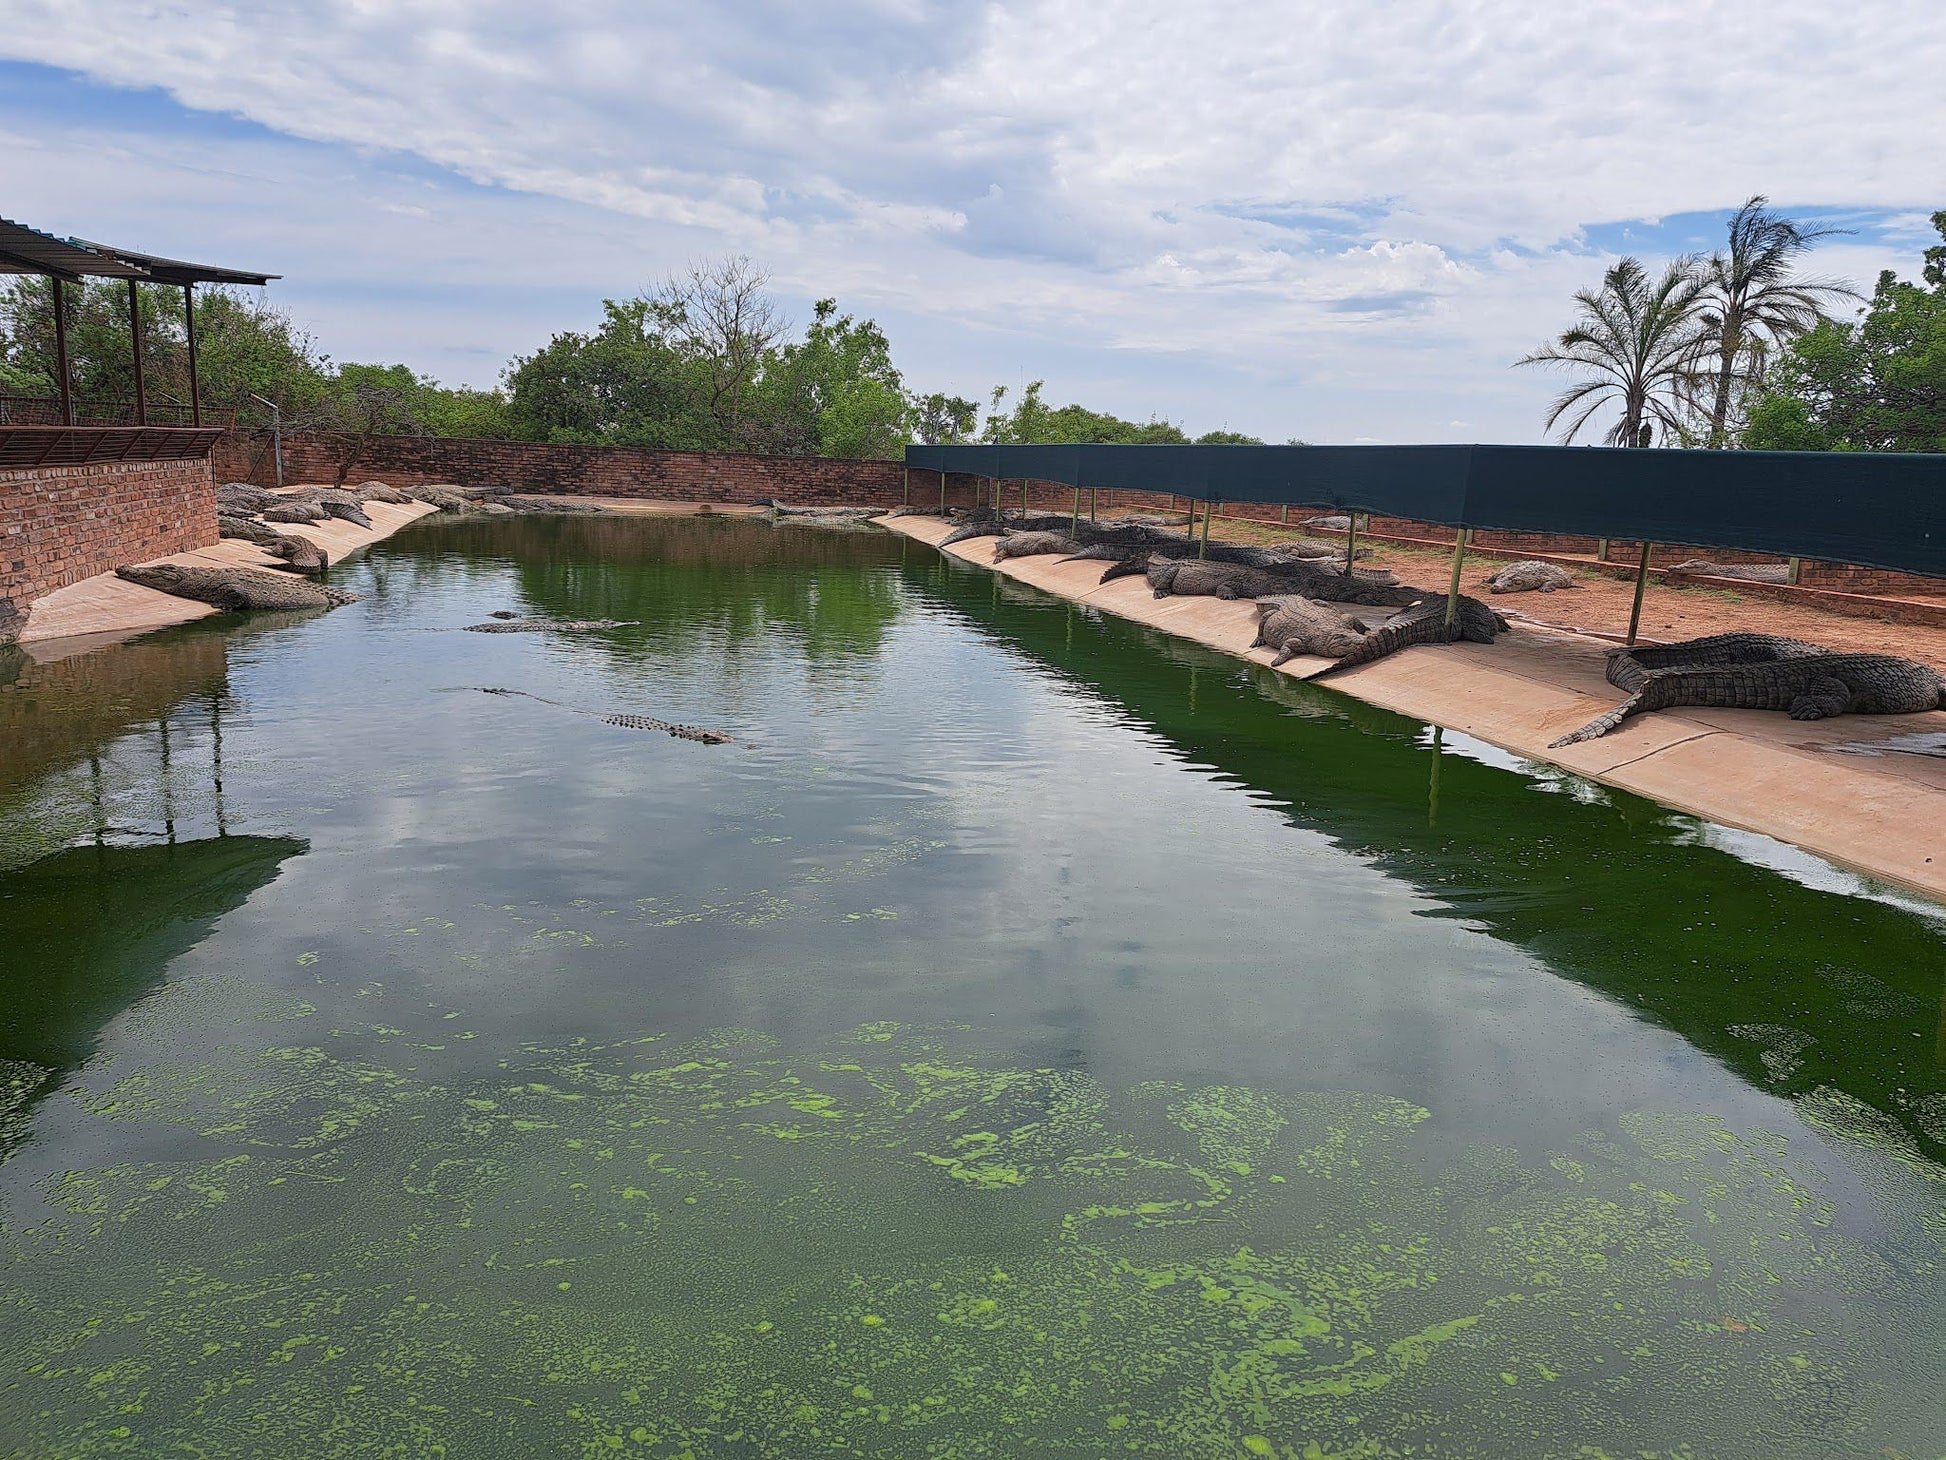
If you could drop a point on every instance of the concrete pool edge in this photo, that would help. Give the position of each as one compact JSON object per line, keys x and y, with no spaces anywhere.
{"x":1876,"y":814}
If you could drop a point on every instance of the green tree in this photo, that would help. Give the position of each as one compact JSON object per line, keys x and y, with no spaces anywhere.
{"x":1753,"y":304}
{"x":839,"y":393}
{"x":626,"y":385}
{"x":1635,"y":346}
{"x":1228,"y":438}
{"x":1033,"y":422}
{"x":1876,"y":385}
{"x":945,"y":420}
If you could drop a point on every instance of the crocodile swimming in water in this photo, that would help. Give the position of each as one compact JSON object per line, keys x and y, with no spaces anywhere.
{"x":1423,"y":623}
{"x":626,"y":722}
{"x":1293,"y":625}
{"x":1764,"y":672}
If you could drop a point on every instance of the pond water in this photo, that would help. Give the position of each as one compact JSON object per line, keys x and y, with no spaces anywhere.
{"x":1032,"y":1034}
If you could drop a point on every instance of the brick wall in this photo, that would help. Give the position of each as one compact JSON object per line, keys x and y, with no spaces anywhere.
{"x":586,"y":471}
{"x":60,"y":524}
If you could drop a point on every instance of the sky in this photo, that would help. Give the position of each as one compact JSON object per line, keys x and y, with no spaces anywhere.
{"x":1340,"y":221}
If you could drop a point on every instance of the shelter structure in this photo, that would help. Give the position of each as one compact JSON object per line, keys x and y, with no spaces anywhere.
{"x":65,"y":261}
{"x":1881,"y":510}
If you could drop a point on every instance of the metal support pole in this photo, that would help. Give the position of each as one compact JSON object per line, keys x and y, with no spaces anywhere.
{"x":1074,"y":524}
{"x":905,"y":480}
{"x":1601,"y":549}
{"x":189,"y":328}
{"x":942,"y":493}
{"x":1286,"y":517}
{"x":1351,"y":543}
{"x":1094,"y":498}
{"x":1202,"y":548}
{"x":1641,"y":582}
{"x":276,"y":434}
{"x":1453,"y":584}
{"x":1023,"y":496}
{"x":61,"y":351}
{"x":135,"y":352}
{"x":1796,"y":567}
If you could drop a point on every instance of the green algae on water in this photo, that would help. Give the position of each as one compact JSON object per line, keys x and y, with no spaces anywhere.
{"x":893,"y":1246}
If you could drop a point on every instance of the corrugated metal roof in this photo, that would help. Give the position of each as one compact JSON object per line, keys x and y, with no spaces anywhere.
{"x":25,"y":250}
{"x":176,"y":271}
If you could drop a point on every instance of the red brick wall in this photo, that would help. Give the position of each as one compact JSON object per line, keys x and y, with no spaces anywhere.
{"x":60,"y":524}
{"x":1849,"y":578}
{"x":587,"y":471}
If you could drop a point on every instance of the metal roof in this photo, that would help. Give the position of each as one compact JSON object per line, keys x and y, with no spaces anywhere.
{"x":176,"y":271}
{"x":25,"y":250}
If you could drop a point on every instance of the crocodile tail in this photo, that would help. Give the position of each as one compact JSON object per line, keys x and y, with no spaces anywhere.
{"x":1126,"y":568}
{"x":1595,"y":729}
{"x":1425,"y":629}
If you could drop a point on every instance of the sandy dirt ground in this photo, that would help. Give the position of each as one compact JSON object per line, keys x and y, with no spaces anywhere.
{"x":1601,"y":604}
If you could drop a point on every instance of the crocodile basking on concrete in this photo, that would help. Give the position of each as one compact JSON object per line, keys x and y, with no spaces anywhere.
{"x":1764,"y":672}
{"x":627,"y":722}
{"x":236,"y":588}
{"x":1032,"y":545}
{"x":300,"y":554}
{"x":1531,"y":576}
{"x":1423,"y":623}
{"x":1196,"y":577}
{"x":1293,"y":625}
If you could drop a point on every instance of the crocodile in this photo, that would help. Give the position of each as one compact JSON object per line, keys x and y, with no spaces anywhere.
{"x":235,"y":588}
{"x":627,"y":722}
{"x":1761,"y":672}
{"x":1197,"y":577}
{"x":300,"y":554}
{"x":1270,"y":559}
{"x":288,"y":510}
{"x":1032,"y":545}
{"x":1531,"y":576}
{"x":1629,"y":668}
{"x":244,"y":498}
{"x":446,"y":499}
{"x":379,"y":492}
{"x":544,"y":625}
{"x":244,"y":529}
{"x":1748,"y":572}
{"x":1294,"y":625}
{"x":344,"y":505}
{"x":1423,"y":623}
{"x":994,"y":525}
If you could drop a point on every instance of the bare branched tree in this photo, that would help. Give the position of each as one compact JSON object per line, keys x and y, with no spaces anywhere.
{"x":1637,"y":341}
{"x":719,"y":315}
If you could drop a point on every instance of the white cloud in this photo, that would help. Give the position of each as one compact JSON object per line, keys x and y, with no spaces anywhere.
{"x":1337,"y":222}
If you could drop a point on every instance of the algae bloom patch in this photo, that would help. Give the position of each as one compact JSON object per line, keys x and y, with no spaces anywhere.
{"x":896,"y":1246}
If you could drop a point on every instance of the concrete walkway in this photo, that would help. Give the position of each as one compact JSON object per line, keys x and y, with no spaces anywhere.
{"x":106,"y":608}
{"x":1880,"y":814}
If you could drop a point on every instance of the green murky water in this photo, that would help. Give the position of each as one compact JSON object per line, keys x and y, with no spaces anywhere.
{"x":1033,"y":1036}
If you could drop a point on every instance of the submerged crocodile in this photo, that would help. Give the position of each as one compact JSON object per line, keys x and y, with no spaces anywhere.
{"x":627,"y":722}
{"x":236,"y":588}
{"x":1195,"y":577}
{"x":1764,"y":672}
{"x":1423,"y":623}
{"x":510,"y":625}
{"x":1293,"y":625}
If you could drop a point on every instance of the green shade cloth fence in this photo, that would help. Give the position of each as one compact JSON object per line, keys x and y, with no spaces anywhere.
{"x":1880,"y":510}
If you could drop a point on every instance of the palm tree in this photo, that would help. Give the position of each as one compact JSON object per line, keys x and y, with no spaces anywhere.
{"x":1637,"y":339}
{"x":1752,"y":304}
